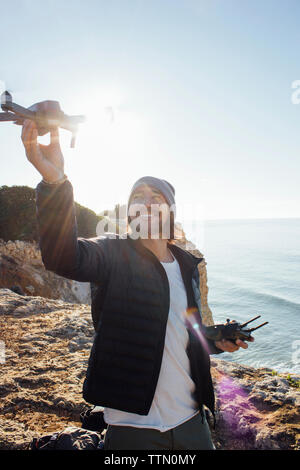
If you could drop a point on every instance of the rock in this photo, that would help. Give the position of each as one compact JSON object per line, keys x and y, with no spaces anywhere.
{"x":48,"y":349}
{"x":182,"y":242}
{"x":14,"y":435}
{"x":17,"y":290}
{"x":41,"y":378}
{"x":264,"y":440}
{"x":22,"y":270}
{"x":80,"y":343}
{"x":256,"y":410}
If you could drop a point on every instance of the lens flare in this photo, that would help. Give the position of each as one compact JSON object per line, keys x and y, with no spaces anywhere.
{"x":193,"y":323}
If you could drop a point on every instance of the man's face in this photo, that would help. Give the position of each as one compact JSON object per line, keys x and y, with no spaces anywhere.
{"x":149,"y":213}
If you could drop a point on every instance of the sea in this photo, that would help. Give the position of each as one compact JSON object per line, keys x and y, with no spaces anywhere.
{"x":253,"y":268}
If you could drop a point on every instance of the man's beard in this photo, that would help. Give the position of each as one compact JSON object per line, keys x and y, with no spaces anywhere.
{"x":152,"y":227}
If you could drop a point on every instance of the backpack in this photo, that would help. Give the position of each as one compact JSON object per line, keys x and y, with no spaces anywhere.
{"x":71,"y":438}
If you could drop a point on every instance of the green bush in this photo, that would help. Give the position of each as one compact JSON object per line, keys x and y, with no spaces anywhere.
{"x":86,"y":221}
{"x":293,"y":382}
{"x":18,"y":215}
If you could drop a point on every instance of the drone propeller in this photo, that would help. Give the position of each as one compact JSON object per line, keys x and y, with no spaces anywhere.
{"x":17,"y":113}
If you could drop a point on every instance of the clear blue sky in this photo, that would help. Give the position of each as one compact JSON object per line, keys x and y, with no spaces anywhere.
{"x":201,"y":93}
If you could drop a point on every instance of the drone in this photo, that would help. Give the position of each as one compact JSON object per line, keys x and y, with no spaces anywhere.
{"x":231,"y":330}
{"x":55,"y":117}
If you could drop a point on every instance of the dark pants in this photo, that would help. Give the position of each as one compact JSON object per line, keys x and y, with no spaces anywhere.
{"x":191,"y":435}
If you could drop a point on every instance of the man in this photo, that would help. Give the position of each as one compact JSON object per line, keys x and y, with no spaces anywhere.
{"x":147,"y":367}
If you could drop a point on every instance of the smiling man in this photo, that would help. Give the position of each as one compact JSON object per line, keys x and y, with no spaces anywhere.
{"x":147,"y":368}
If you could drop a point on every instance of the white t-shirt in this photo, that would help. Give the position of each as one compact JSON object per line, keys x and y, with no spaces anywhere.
{"x":173,"y":403}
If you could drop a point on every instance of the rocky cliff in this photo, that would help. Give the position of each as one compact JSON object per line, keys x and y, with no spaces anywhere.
{"x":45,"y":348}
{"x":22,"y":269}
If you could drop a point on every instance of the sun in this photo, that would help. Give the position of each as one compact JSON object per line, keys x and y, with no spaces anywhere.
{"x":111,"y":145}
{"x":111,"y":127}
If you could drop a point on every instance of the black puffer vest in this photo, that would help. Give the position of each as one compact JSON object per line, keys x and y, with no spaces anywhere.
{"x":130,"y":325}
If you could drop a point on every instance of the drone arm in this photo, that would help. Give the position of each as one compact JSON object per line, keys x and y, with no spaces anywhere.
{"x":7,"y":117}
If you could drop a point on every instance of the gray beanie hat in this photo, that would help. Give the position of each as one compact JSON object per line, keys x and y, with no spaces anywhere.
{"x":162,"y":185}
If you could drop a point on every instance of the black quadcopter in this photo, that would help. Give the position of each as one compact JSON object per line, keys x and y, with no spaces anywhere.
{"x":45,"y":121}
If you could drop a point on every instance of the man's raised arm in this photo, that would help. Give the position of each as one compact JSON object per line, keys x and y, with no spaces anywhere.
{"x":62,"y":251}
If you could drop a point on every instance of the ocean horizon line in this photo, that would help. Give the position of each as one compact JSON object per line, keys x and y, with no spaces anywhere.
{"x":247,"y":218}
